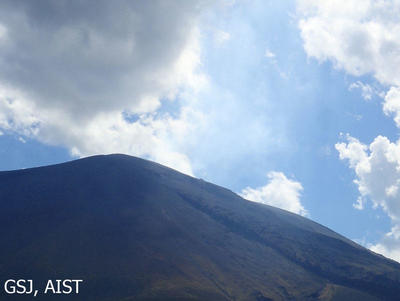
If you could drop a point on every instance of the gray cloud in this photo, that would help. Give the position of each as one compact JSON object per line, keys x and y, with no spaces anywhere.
{"x":71,"y":70}
{"x":85,"y":57}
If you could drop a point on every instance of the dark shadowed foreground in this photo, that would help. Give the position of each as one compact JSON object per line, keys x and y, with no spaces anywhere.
{"x":135,"y":230}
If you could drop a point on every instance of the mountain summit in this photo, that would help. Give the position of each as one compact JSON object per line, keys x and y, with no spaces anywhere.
{"x":132,"y":229}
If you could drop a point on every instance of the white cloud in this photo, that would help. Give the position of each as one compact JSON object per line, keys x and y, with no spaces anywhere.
{"x":377,"y":169}
{"x":68,"y":73}
{"x":358,"y":37}
{"x":359,"y":204}
{"x":361,"y":38}
{"x":280,"y":192}
{"x":269,"y":54}
{"x":390,"y":244}
{"x":17,"y":115}
{"x":366,"y":90}
{"x":154,"y":136}
{"x":392,"y":104}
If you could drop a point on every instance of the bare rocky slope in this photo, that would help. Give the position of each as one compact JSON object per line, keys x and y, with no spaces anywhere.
{"x":136,"y":230}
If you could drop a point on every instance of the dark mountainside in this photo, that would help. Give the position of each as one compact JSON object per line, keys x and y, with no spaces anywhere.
{"x":135,"y":230}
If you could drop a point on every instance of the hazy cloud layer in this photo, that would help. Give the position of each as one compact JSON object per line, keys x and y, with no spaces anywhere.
{"x":69,"y":69}
{"x":280,"y":192}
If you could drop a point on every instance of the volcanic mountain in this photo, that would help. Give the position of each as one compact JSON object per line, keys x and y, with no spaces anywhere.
{"x":132,"y":229}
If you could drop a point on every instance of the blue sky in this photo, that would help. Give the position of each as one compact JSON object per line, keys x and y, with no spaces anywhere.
{"x":280,"y":101}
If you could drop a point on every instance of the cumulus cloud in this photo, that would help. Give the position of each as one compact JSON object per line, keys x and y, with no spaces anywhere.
{"x":361,"y":38}
{"x":391,"y":105}
{"x":69,"y":70}
{"x":91,"y":56}
{"x":280,"y":192}
{"x":358,"y":37}
{"x":150,"y":135}
{"x":377,"y":169}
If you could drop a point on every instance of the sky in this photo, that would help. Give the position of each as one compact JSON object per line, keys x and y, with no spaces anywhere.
{"x":295,"y":104}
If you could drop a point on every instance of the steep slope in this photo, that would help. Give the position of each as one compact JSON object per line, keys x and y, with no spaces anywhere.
{"x":135,"y":230}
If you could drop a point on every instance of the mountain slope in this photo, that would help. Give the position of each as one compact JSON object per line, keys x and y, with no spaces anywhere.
{"x":135,"y":230}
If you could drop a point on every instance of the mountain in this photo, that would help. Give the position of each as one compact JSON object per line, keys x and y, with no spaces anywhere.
{"x":132,"y":229}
